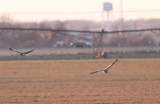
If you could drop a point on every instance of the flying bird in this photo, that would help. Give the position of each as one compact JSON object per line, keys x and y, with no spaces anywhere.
{"x":21,"y":53}
{"x":106,"y":69}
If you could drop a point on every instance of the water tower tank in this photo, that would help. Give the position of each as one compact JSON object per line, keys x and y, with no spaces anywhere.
{"x":107,"y":6}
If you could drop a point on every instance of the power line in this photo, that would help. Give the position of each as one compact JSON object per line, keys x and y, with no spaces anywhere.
{"x":80,"y":12}
{"x":80,"y":31}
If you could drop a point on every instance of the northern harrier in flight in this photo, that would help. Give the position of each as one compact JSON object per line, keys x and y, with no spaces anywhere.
{"x":21,"y":53}
{"x":106,"y":69}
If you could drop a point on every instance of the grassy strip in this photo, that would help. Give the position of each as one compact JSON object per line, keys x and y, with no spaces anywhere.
{"x":79,"y":56}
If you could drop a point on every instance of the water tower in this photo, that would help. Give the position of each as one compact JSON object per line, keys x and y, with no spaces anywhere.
{"x":107,"y":8}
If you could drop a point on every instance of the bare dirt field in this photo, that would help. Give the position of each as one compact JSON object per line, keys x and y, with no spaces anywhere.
{"x":130,"y":81}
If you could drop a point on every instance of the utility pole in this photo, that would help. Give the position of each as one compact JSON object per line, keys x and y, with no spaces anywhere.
{"x":121,"y":9}
{"x":121,"y":20}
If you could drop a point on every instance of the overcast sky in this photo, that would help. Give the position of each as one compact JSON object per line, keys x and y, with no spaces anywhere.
{"x":77,"y":9}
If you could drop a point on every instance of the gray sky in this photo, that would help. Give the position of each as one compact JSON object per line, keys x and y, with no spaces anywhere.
{"x":36,"y":10}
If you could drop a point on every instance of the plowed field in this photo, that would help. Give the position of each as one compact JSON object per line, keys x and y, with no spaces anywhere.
{"x":130,"y":81}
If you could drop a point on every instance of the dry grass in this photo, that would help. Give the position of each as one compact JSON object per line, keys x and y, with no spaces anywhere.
{"x":130,"y":81}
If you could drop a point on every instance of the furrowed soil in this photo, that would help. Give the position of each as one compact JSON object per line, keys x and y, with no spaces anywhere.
{"x":130,"y":81}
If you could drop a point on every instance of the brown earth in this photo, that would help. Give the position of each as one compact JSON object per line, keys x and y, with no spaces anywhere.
{"x":130,"y":81}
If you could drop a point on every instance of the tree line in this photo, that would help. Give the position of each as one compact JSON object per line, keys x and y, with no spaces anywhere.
{"x":48,"y":39}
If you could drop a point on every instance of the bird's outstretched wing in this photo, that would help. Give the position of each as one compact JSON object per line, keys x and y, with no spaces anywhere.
{"x":29,"y":51}
{"x":96,"y":71}
{"x":14,"y":50}
{"x":109,"y":66}
{"x":105,"y":68}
